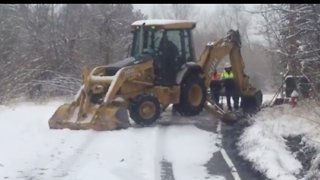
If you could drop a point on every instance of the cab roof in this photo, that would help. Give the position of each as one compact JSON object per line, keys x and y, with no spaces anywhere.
{"x":166,"y":23}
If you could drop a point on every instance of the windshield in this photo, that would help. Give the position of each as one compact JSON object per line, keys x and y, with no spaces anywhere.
{"x":145,"y":41}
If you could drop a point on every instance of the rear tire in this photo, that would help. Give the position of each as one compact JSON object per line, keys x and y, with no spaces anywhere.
{"x":192,"y":96}
{"x":144,"y":109}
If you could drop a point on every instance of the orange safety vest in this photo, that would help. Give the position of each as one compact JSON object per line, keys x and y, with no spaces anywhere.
{"x":215,"y":76}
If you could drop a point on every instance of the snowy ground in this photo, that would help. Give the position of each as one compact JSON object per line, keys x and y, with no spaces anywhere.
{"x":265,"y":142}
{"x":29,"y":150}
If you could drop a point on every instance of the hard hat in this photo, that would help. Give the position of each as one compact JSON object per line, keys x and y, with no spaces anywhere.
{"x":227,"y":65}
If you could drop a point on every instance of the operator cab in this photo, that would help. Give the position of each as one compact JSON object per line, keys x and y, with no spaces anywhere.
{"x":168,"y":42}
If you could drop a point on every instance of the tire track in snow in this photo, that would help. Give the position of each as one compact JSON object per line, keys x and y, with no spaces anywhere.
{"x":163,"y":168}
{"x":168,"y":121}
{"x":59,"y":165}
{"x":66,"y":163}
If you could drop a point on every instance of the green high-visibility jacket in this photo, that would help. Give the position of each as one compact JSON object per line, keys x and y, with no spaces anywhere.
{"x":226,"y":75}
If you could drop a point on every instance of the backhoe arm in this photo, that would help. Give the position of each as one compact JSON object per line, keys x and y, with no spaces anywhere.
{"x":251,"y":98}
{"x":216,"y":51}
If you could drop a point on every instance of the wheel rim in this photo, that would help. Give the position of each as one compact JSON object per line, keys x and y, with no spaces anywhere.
{"x":147,"y":110}
{"x":195,"y":95}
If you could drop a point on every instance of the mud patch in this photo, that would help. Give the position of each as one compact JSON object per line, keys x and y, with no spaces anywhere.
{"x":220,"y":168}
{"x":166,"y":170}
{"x":231,"y":134}
{"x":203,"y":121}
{"x":303,"y":153}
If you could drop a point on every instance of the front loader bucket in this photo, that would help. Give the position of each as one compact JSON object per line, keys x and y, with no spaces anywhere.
{"x":110,"y":117}
{"x":103,"y":118}
{"x":60,"y":118}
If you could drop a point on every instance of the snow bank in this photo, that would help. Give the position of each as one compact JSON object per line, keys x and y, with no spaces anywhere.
{"x":264,"y":145}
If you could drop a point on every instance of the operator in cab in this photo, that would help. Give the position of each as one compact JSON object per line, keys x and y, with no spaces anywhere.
{"x":169,"y":52}
{"x":231,"y":89}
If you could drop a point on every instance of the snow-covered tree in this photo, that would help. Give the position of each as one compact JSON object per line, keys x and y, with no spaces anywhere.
{"x":293,"y":33}
{"x":44,"y":46}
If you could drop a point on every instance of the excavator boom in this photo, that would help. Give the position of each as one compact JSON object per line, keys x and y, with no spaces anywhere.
{"x":214,"y":54}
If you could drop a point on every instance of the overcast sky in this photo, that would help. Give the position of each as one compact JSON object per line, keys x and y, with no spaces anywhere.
{"x":146,"y":9}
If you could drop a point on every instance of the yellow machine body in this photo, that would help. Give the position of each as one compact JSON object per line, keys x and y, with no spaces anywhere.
{"x":105,"y":96}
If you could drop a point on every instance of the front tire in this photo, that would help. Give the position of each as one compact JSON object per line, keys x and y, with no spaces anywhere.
{"x":192,"y":96}
{"x":145,"y":109}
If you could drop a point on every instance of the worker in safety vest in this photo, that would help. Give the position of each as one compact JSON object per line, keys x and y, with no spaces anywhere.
{"x":229,"y":84}
{"x":215,"y":87}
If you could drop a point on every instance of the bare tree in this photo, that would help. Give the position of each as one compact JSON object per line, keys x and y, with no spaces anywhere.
{"x":44,"y":46}
{"x":293,"y":32}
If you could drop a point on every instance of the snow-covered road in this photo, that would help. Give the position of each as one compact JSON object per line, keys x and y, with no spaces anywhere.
{"x":29,"y":150}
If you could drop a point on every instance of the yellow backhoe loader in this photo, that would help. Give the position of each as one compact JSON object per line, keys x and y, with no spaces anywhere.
{"x":162,"y":70}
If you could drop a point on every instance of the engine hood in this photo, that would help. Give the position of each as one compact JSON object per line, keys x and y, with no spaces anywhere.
{"x":126,"y":62}
{"x":114,"y":67}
